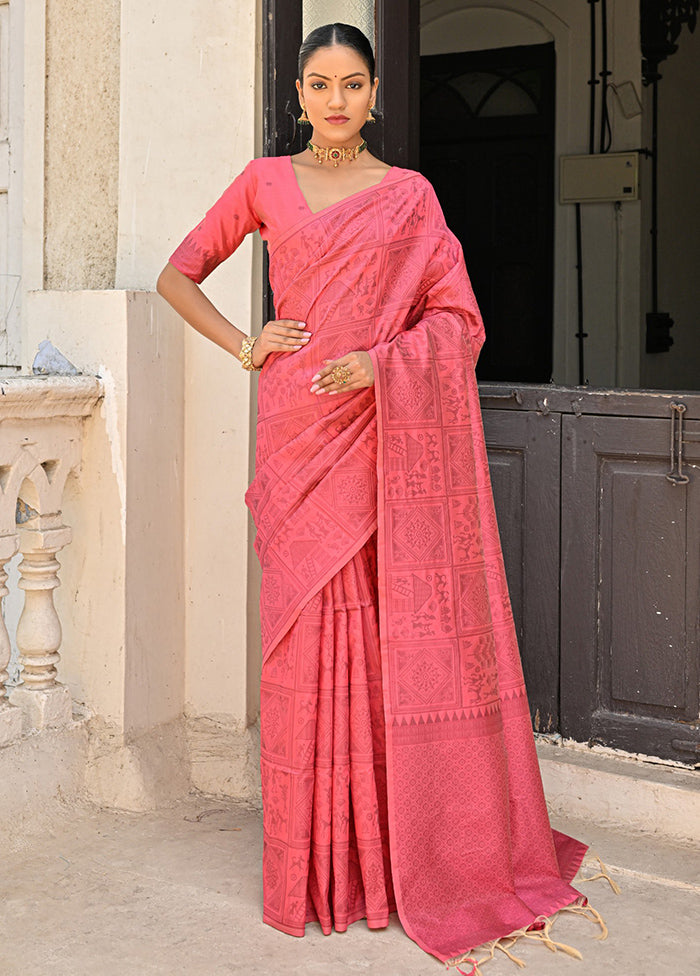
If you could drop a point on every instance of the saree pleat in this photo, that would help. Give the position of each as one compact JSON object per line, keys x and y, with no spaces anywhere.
{"x":326,"y":848}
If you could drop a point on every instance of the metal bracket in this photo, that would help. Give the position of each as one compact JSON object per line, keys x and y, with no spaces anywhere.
{"x":513,"y":395}
{"x":675,"y":475}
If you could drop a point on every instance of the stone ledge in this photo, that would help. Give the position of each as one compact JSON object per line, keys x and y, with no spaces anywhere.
{"x":39,"y":397}
{"x":621,"y":792}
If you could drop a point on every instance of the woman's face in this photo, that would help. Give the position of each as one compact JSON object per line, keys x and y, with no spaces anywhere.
{"x":337,"y":92}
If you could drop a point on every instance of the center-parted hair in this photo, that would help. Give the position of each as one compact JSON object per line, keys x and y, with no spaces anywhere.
{"x":330,"y":34}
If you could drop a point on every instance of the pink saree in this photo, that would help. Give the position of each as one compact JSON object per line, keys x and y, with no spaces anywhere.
{"x":398,"y":761}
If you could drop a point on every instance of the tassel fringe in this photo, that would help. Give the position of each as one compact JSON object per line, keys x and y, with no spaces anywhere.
{"x":539,"y":934}
{"x":603,"y":873}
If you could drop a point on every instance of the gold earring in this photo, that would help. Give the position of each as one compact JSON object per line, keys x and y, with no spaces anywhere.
{"x":370,"y":117}
{"x":304,"y":117}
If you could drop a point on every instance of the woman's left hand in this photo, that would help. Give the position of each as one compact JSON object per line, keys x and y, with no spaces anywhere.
{"x":351,"y":372}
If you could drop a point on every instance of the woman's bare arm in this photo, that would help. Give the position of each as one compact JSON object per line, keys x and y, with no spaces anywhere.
{"x":189,"y":301}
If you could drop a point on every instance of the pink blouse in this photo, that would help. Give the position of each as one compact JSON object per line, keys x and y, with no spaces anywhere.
{"x":266,"y":196}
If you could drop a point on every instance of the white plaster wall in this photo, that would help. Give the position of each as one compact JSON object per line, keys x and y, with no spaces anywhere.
{"x":88,"y":327}
{"x":188,"y":128}
{"x":679,"y":219}
{"x":161,"y":534}
{"x":155,"y":515}
{"x":611,"y":279}
{"x":121,"y":601}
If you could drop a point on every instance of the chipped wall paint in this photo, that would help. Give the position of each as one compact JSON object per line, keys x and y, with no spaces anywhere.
{"x":109,"y":409}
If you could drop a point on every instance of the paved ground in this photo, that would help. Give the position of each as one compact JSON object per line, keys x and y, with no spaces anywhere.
{"x":177,"y":893}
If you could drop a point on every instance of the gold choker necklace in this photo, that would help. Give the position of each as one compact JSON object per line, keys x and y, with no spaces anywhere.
{"x":335,"y":156}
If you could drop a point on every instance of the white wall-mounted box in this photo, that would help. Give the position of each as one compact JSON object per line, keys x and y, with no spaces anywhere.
{"x":599,"y":178}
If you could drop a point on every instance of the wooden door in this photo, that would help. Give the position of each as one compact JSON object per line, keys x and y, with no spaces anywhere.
{"x":588,"y":488}
{"x":630,"y":584}
{"x":487,"y":145}
{"x":524,"y":456}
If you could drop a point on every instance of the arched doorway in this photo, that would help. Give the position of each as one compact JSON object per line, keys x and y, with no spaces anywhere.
{"x":487,"y":146}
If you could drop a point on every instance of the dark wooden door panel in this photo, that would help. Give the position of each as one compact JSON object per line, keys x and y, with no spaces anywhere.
{"x":524,"y":452}
{"x":630,"y":586}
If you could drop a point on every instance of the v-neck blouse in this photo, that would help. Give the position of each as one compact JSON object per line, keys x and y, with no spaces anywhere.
{"x":266,"y":197}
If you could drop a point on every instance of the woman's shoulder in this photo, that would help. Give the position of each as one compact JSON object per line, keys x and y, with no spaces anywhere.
{"x":267,"y":164}
{"x":413,"y":182}
{"x":261,"y":168}
{"x":413,"y":176}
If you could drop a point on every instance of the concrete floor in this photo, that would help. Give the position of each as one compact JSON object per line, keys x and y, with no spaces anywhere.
{"x":178,"y":892}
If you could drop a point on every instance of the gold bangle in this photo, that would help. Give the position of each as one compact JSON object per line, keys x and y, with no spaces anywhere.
{"x":246,"y":353}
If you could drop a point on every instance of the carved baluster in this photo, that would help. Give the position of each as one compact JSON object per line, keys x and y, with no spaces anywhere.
{"x":43,"y":700}
{"x":10,"y":717}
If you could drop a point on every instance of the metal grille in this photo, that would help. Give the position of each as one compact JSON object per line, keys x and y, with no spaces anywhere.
{"x":359,"y":13}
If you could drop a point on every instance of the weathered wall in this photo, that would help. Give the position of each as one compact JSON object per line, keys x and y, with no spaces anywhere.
{"x":121,"y":601}
{"x":611,"y":241}
{"x":161,"y":534}
{"x":679,"y":226}
{"x":196,"y":75}
{"x":81,"y":143}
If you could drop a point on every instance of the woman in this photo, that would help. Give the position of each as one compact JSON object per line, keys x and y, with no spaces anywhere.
{"x":398,"y":761}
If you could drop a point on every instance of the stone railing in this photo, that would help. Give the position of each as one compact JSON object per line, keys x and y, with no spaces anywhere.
{"x":41,"y":428}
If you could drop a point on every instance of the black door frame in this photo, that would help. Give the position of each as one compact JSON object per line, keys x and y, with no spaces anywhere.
{"x":396,"y":135}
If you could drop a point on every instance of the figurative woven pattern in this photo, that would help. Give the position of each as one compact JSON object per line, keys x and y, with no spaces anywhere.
{"x":451,"y":776}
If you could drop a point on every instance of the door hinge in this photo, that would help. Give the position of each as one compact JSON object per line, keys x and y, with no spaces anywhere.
{"x":675,"y":475}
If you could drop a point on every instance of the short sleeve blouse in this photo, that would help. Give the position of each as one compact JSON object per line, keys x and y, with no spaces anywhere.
{"x":264,"y":197}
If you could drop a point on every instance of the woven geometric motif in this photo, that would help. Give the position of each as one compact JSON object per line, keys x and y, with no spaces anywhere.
{"x":466,"y":527}
{"x":418,"y":534}
{"x":405,"y":451}
{"x":274,"y":875}
{"x":275,"y":706}
{"x":337,"y":301}
{"x":473,"y":603}
{"x":462,"y":467}
{"x":409,"y":397}
{"x":426,"y":676}
{"x":354,"y":488}
{"x":303,"y":803}
{"x":478,"y":669}
{"x":402,"y":271}
{"x":409,"y":593}
{"x":272,"y":589}
{"x":501,"y":609}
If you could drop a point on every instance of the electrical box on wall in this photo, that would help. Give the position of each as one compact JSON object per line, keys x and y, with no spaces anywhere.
{"x":600,"y":178}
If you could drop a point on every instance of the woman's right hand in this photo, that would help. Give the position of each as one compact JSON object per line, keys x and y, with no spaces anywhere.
{"x":279,"y":335}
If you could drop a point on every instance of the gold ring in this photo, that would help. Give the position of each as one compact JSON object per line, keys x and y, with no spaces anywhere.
{"x":340,"y":374}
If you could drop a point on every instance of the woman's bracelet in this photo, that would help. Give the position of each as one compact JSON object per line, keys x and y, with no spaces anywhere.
{"x":246,"y":353}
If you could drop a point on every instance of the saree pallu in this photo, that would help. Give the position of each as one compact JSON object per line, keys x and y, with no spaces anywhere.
{"x":446,"y":767}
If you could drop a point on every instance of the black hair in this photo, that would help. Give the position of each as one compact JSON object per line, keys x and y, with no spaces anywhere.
{"x":330,"y":34}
